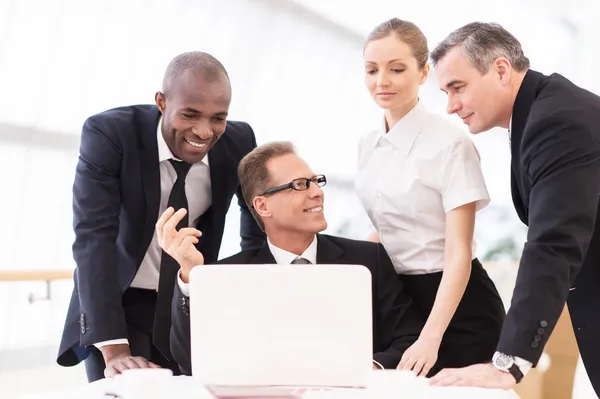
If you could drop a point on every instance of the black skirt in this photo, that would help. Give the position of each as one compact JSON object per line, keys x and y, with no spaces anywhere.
{"x":474,"y":331}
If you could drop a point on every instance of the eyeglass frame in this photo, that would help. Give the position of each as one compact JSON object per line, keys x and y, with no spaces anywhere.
{"x":290,"y":185}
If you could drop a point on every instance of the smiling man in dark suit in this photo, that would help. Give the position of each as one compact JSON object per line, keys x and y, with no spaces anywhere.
{"x":286,"y":199}
{"x":135,"y":162}
{"x":554,"y":132}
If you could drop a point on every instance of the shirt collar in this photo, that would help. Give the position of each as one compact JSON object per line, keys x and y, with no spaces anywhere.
{"x":283,"y":257}
{"x":403,"y":134}
{"x":164,"y":153}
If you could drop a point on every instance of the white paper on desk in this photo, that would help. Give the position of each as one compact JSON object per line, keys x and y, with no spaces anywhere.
{"x":469,"y":393}
{"x":396,"y":384}
{"x":252,"y":392}
{"x":288,"y":392}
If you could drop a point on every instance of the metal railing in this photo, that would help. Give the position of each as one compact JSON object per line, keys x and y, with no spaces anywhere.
{"x":47,"y":276}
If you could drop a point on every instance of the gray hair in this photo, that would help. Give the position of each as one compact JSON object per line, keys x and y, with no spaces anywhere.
{"x":208,"y":65}
{"x":482,"y":43}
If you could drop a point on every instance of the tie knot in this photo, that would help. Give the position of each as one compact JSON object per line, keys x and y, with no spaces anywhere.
{"x":301,"y":261}
{"x":181,"y":168}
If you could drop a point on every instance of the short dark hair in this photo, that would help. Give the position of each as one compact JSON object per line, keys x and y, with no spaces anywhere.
{"x":253,"y":173}
{"x":482,"y":43}
{"x":208,"y":65}
{"x":407,"y":32}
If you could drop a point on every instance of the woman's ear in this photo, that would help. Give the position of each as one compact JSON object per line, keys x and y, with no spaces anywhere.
{"x":424,"y":74}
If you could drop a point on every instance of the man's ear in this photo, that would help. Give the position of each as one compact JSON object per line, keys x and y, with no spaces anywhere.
{"x":160,"y":101}
{"x":261,"y":206}
{"x":503,"y":69}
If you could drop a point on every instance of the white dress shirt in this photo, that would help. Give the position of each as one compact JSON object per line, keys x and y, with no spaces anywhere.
{"x":409,"y":178}
{"x":199,"y":196}
{"x":283,"y":257}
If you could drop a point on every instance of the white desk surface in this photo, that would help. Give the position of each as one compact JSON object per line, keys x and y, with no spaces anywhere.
{"x":190,"y":388}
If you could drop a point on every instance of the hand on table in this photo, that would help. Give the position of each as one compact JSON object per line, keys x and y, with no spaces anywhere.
{"x":118,"y":358}
{"x":420,"y":357}
{"x":483,"y":375}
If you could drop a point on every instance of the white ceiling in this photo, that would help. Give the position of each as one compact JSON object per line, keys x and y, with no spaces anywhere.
{"x":438,"y":16}
{"x":545,"y":27}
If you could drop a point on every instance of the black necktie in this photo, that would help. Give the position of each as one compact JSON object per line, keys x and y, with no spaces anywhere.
{"x":169,"y":266}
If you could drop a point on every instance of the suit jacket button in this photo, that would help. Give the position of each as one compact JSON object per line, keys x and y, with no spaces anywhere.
{"x":535,"y":344}
{"x":82,"y":326}
{"x":541,"y":331}
{"x":544,"y":323}
{"x":183,"y":301}
{"x":537,"y":338}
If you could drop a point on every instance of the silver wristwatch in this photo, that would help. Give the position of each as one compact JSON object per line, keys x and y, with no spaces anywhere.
{"x":506,"y":363}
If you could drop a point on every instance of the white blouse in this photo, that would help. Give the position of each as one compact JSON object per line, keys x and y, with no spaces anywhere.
{"x":410,"y":178}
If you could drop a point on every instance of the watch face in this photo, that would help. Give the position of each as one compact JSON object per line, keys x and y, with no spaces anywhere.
{"x":503,"y":362}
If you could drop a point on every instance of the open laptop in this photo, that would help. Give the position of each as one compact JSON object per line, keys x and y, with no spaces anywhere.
{"x":281,"y":325}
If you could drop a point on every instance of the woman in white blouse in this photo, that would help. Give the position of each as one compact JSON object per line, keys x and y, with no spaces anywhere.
{"x":420,"y":181}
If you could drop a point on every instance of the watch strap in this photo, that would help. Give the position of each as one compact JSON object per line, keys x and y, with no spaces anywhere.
{"x":516,"y":372}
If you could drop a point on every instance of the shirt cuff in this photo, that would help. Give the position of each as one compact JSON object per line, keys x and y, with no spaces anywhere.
{"x":120,"y":341}
{"x":378,"y":364}
{"x":523,"y":365}
{"x":183,"y":287}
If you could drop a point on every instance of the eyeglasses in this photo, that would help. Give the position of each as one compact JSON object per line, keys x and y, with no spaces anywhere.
{"x":299,"y":184}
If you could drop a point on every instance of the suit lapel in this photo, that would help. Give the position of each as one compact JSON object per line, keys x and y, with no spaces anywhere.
{"x":220,"y":165}
{"x":517,"y":198}
{"x":263,"y":256}
{"x":150,"y":172}
{"x":523,"y":103}
{"x":328,"y":252}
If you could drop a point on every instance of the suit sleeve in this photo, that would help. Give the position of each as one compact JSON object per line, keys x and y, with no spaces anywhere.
{"x":180,"y":331}
{"x":563,"y":162}
{"x":250,"y":232}
{"x":96,"y":207}
{"x":398,"y":324}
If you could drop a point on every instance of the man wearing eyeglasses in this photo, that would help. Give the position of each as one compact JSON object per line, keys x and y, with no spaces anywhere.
{"x":287,"y":201}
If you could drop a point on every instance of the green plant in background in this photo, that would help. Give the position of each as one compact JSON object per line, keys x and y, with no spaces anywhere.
{"x":506,"y":248}
{"x":504,"y":234}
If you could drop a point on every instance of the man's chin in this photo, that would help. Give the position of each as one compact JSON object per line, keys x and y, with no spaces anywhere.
{"x":315,"y":226}
{"x":194,"y":155}
{"x":321,"y":226}
{"x":476,"y":128}
{"x":473,"y":129}
{"x":193,"y":158}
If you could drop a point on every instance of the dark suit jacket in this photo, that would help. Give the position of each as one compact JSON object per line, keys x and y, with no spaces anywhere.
{"x":555,"y":144}
{"x":116,"y":198}
{"x":396,"y":323}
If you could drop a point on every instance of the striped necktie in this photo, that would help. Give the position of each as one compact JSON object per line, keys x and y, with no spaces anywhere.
{"x":301,"y":261}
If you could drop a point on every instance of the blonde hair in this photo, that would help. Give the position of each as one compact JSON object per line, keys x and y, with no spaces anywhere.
{"x":406,"y":31}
